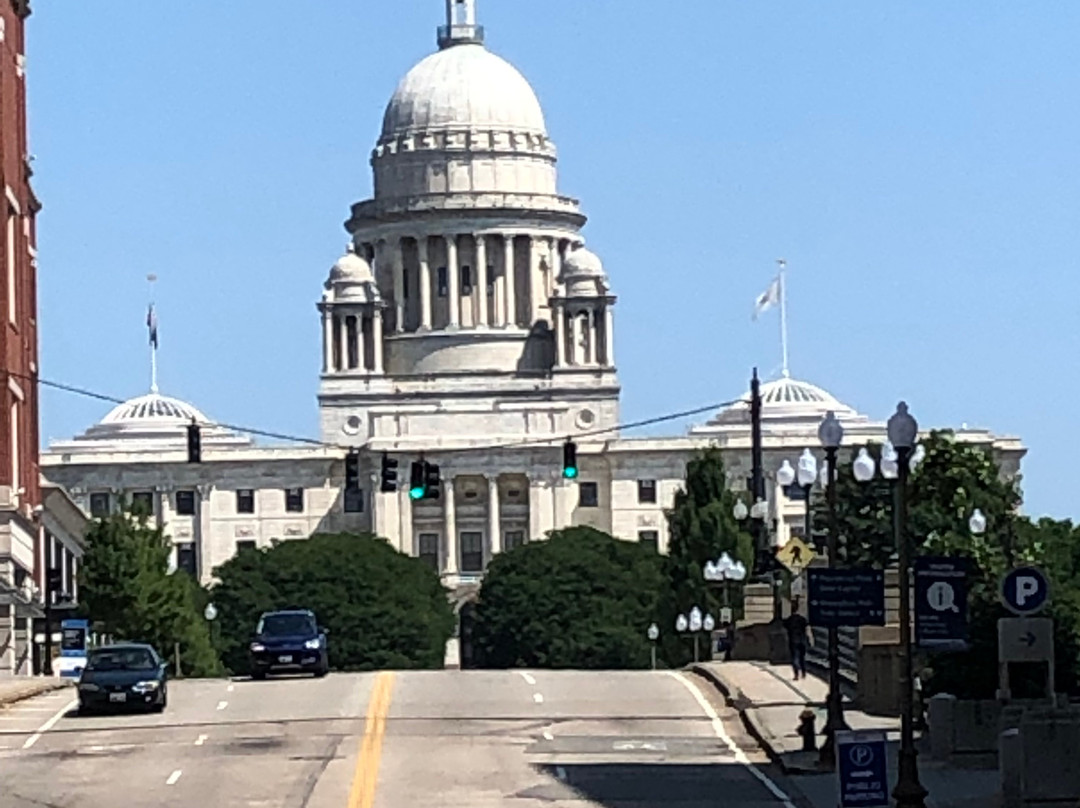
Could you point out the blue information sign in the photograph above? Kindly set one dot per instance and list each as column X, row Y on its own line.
column 941, row 603
column 74, row 637
column 862, row 768
column 851, row 597
column 1025, row 590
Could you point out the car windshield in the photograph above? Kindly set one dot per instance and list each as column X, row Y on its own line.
column 286, row 625
column 121, row 659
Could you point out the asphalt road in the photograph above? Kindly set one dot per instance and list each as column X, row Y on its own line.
column 474, row 739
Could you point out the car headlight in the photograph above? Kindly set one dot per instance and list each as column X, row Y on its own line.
column 257, row 646
column 89, row 687
column 149, row 686
column 312, row 645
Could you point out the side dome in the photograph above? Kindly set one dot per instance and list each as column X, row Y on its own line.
column 583, row 274
column 465, row 86
column 350, row 268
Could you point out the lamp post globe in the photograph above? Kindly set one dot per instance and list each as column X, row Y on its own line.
column 740, row 511
column 808, row 470
column 902, row 427
column 785, row 475
column 681, row 624
column 830, row 432
column 708, row 623
column 977, row 522
column 210, row 612
column 863, row 467
column 653, row 632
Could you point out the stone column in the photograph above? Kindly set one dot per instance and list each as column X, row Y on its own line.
column 481, row 279
column 575, row 334
column 343, row 342
column 377, row 339
column 555, row 262
column 425, row 284
column 591, row 353
column 450, row 526
column 494, row 516
column 541, row 508
column 405, row 541
column 564, row 504
column 452, row 295
column 397, row 262
column 328, row 340
column 361, row 354
column 538, row 293
column 508, row 283
column 560, row 336
column 204, row 562
column 609, row 337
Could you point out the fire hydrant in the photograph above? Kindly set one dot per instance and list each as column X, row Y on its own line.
column 806, row 730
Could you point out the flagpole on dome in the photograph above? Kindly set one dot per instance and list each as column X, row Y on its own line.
column 783, row 316
column 151, row 324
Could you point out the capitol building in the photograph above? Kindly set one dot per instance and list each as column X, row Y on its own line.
column 467, row 322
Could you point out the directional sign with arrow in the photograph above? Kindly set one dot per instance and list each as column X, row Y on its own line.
column 1025, row 639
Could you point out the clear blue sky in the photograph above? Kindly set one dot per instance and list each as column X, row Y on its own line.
column 916, row 163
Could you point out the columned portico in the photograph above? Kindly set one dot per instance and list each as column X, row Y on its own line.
column 450, row 526
column 494, row 517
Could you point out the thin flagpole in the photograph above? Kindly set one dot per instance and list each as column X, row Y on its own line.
column 153, row 342
column 783, row 315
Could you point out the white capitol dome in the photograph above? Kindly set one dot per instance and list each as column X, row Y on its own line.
column 784, row 401
column 464, row 86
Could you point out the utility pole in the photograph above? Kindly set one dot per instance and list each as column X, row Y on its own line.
column 757, row 477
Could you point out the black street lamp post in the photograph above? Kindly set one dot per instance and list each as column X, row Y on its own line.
column 831, row 433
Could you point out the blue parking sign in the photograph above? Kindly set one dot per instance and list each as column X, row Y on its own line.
column 862, row 768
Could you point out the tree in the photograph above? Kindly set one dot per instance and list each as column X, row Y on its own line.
column 126, row 588
column 580, row 599
column 702, row 526
column 383, row 609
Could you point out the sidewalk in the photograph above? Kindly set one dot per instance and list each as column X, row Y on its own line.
column 769, row 701
column 18, row 688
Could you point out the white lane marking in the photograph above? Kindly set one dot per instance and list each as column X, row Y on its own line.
column 33, row 739
column 560, row 772
column 201, row 740
column 736, row 750
column 173, row 778
column 528, row 677
column 538, row 698
column 548, row 736
column 230, row 688
column 221, row 705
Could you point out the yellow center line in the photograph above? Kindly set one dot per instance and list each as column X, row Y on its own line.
column 362, row 793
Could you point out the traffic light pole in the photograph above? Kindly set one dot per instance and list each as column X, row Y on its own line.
column 46, row 663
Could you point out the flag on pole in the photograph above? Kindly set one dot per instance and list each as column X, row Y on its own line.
column 767, row 299
column 151, row 323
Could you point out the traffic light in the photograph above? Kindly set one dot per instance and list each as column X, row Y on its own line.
column 389, row 473
column 417, row 480
column 569, row 460
column 194, row 443
column 431, row 481
column 352, row 470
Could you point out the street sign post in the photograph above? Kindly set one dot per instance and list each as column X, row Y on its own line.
column 1025, row 590
column 796, row 555
column 941, row 603
column 862, row 767
column 846, row 597
column 1025, row 639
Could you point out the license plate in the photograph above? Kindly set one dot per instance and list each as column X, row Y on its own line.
column 284, row 658
column 118, row 697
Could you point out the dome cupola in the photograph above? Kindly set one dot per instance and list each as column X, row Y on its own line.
column 352, row 279
column 583, row 274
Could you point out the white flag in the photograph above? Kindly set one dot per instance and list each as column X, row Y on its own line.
column 767, row 299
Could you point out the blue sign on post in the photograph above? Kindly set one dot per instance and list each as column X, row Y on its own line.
column 1025, row 590
column 851, row 597
column 941, row 603
column 862, row 768
column 74, row 642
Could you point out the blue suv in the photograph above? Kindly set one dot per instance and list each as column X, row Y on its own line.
column 288, row 642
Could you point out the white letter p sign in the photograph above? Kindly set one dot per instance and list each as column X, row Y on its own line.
column 1026, row 587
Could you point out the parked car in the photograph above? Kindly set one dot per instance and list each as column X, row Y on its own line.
column 123, row 676
column 288, row 642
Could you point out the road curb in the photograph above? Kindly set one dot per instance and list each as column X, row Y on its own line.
column 34, row 687
column 738, row 701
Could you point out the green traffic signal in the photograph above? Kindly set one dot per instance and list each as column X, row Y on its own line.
column 569, row 460
column 416, row 493
column 569, row 472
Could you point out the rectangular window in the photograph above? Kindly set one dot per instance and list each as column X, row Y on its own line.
column 650, row 539
column 11, row 273
column 185, row 503
column 99, row 505
column 142, row 502
column 472, row 551
column 428, row 549
column 466, row 280
column 294, row 500
column 795, row 492
column 441, row 278
column 15, row 445
column 513, row 538
column 244, row 545
column 185, row 557
column 588, row 495
column 245, row 501
column 646, row 491
column 354, row 500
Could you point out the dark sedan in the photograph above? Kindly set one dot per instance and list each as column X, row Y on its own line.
column 288, row 642
column 123, row 676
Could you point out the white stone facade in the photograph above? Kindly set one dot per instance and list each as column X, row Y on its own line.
column 466, row 322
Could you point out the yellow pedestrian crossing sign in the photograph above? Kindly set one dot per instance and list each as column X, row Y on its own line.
column 796, row 555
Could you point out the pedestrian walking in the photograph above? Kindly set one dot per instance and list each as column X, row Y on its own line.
column 798, row 632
